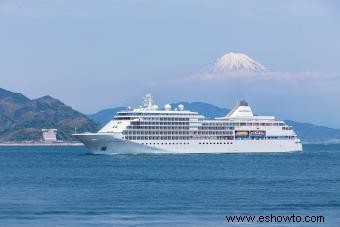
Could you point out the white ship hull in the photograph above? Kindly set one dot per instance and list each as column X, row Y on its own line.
column 149, row 130
column 106, row 143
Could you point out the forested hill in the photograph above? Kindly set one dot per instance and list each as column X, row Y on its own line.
column 22, row 118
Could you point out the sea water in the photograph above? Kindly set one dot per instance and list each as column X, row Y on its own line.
column 65, row 186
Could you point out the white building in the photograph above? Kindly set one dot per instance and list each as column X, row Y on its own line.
column 50, row 135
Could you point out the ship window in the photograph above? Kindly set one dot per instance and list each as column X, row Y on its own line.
column 103, row 148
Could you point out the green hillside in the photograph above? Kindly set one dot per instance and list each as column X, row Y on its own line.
column 22, row 119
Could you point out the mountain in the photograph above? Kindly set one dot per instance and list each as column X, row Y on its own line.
column 211, row 111
column 106, row 115
column 208, row 110
column 308, row 133
column 234, row 62
column 22, row 118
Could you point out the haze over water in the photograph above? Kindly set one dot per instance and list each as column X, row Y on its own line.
column 55, row 186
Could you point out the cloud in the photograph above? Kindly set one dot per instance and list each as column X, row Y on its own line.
column 251, row 77
column 239, row 67
column 262, row 76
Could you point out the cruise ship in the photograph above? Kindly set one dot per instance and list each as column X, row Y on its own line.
column 148, row 129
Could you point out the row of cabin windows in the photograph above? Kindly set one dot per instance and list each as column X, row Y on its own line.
column 158, row 123
column 212, row 138
column 242, row 124
column 216, row 143
column 129, row 132
column 215, row 128
column 177, row 128
column 214, row 133
column 178, row 138
column 184, row 143
column 209, row 125
column 266, row 138
column 157, row 127
column 124, row 118
column 172, row 119
column 157, row 137
column 175, row 132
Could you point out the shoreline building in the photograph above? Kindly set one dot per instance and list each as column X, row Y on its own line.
column 49, row 135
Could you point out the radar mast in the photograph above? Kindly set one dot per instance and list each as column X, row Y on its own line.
column 148, row 101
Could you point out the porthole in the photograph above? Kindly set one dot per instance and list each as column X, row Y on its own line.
column 103, row 148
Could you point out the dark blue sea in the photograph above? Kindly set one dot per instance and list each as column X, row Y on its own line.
column 65, row 186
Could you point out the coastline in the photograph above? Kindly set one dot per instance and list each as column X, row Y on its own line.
column 39, row 144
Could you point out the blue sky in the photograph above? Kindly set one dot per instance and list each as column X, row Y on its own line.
column 98, row 54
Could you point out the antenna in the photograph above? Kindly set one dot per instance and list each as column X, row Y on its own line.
column 148, row 101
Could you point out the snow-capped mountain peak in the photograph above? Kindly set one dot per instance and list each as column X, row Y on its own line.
column 235, row 62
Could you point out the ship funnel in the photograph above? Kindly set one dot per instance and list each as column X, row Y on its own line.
column 243, row 103
column 242, row 110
